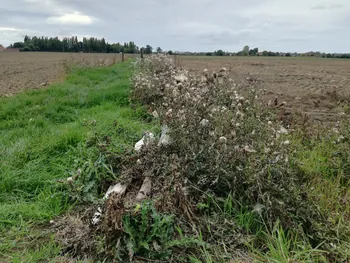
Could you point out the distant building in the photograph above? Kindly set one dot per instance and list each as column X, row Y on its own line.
column 11, row 50
column 2, row 48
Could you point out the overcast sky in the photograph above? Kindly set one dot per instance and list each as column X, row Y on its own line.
column 186, row 25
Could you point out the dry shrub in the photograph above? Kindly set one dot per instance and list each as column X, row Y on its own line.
column 222, row 142
column 223, row 152
column 74, row 234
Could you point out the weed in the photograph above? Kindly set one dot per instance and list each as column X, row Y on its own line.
column 224, row 141
column 43, row 141
column 144, row 233
column 285, row 247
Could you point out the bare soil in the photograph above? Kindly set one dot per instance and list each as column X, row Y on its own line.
column 21, row 71
column 319, row 88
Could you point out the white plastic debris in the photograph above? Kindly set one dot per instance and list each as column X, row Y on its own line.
column 145, row 141
column 164, row 138
column 155, row 114
column 139, row 145
column 144, row 190
column 97, row 216
column 117, row 188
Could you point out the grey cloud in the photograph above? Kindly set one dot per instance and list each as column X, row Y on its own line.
column 324, row 7
column 318, row 7
column 336, row 6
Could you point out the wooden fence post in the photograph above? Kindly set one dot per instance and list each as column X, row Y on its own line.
column 123, row 56
column 141, row 53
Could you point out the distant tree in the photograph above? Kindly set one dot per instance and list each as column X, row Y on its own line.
column 148, row 49
column 265, row 53
column 29, row 47
column 208, row 54
column 219, row 53
column 344, row 56
column 245, row 51
column 71, row 44
column 159, row 50
column 26, row 39
column 253, row 52
column 288, row 54
column 170, row 52
column 18, row 45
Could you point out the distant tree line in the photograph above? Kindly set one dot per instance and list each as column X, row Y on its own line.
column 246, row 51
column 72, row 44
column 95, row 45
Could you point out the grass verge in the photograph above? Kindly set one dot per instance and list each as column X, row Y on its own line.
column 44, row 135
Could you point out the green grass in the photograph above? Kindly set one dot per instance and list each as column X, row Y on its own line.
column 43, row 135
column 282, row 247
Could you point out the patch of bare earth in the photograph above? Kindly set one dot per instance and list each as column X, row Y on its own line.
column 21, row 71
column 317, row 88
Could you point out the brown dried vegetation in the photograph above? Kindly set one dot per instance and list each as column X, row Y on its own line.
column 224, row 172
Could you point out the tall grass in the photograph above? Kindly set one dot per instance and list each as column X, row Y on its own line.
column 43, row 137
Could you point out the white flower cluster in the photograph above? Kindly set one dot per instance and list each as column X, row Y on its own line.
column 193, row 104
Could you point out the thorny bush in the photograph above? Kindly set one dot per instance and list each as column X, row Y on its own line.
column 225, row 169
column 222, row 141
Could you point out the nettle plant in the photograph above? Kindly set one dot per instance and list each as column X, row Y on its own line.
column 223, row 141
